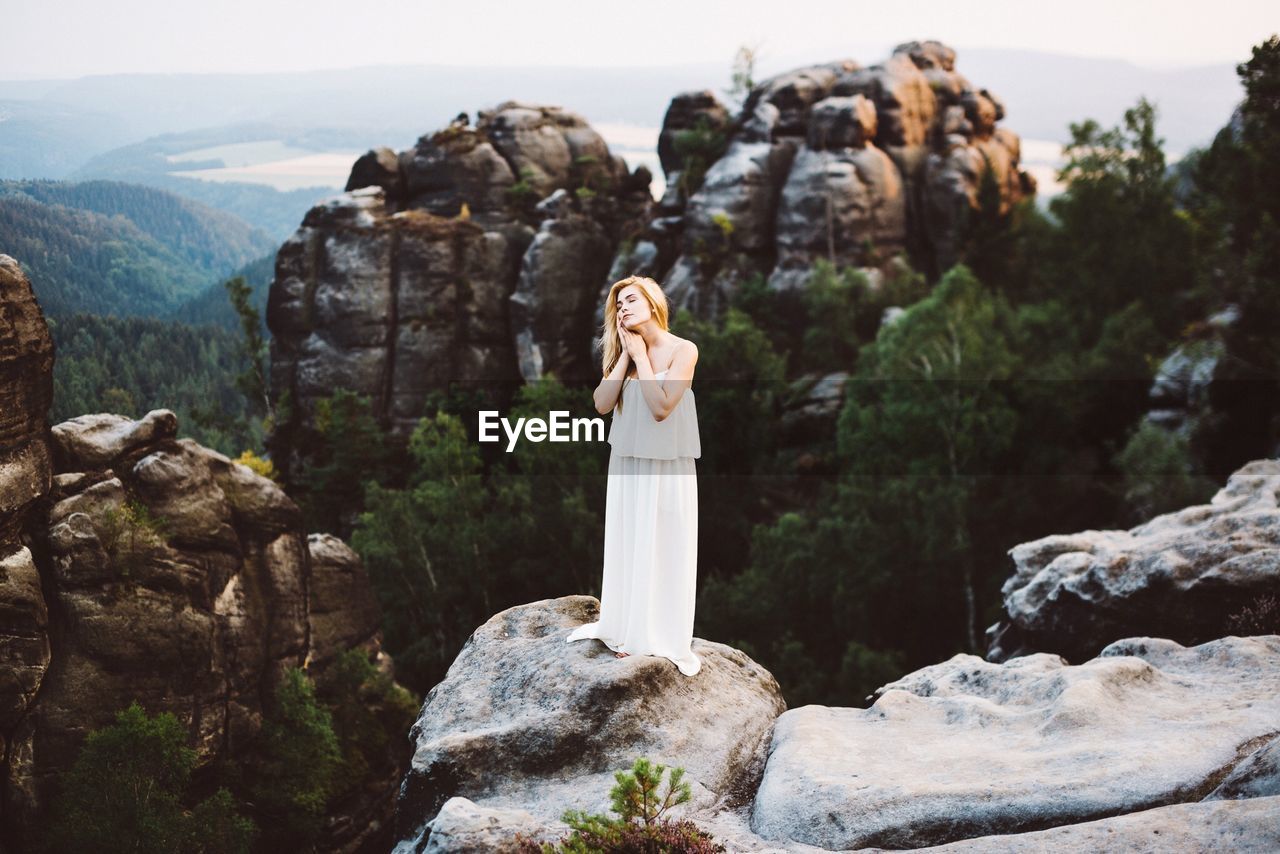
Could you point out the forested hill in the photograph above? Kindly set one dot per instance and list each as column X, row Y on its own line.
column 108, row 247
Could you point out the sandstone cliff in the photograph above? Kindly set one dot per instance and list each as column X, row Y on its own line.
column 481, row 255
column 138, row 565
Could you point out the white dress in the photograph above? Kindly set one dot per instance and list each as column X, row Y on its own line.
column 650, row 533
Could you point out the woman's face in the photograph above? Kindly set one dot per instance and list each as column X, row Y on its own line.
column 633, row 308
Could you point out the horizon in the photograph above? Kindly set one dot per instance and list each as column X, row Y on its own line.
column 154, row 37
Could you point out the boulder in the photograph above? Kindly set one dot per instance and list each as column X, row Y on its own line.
column 967, row 748
column 524, row 721
column 1179, row 576
column 1223, row 826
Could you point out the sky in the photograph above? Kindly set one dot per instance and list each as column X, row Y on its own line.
column 73, row 38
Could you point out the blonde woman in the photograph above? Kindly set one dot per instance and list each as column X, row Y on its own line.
column 651, row 505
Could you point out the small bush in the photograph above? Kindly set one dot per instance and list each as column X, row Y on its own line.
column 127, row 532
column 1261, row 617
column 642, row 825
column 260, row 465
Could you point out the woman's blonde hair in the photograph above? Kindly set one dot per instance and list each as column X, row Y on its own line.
column 610, row 342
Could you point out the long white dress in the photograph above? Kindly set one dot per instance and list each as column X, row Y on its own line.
column 650, row 533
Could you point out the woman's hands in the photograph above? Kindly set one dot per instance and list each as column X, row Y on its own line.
column 632, row 343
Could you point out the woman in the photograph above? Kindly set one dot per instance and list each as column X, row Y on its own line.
column 651, row 505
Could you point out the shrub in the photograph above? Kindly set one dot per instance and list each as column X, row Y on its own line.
column 642, row 824
column 1260, row 617
column 260, row 465
column 127, row 532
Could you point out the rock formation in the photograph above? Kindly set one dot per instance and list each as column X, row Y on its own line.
column 1177, row 576
column 477, row 256
column 481, row 255
column 1144, row 736
column 832, row 161
column 525, row 721
column 135, row 565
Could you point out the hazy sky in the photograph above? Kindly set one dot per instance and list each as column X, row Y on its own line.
column 70, row 38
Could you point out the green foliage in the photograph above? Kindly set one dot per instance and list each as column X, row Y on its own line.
column 456, row 545
column 370, row 715
column 124, row 794
column 643, row 823
column 132, row 365
column 1159, row 474
column 127, row 533
column 347, row 449
column 698, row 147
column 252, row 382
column 742, row 79
column 106, row 247
column 297, row 758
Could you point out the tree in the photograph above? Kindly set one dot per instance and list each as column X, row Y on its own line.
column 125, row 790
column 253, row 381
column 296, row 762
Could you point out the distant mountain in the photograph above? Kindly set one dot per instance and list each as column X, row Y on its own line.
column 107, row 247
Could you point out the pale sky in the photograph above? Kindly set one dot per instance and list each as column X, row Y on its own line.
column 71, row 38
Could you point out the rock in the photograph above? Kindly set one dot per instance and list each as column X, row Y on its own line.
column 1221, row 826
column 1258, row 776
column 177, row 578
column 1178, row 576
column 475, row 256
column 463, row 827
column 26, row 392
column 685, row 112
column 344, row 613
column 855, row 165
column 24, row 640
column 95, row 441
column 525, row 721
column 380, row 167
column 968, row 748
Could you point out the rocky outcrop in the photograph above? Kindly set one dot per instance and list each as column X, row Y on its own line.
column 180, row 579
column 969, row 748
column 26, row 392
column 1179, row 576
column 832, row 161
column 524, row 721
column 478, row 256
column 1146, row 735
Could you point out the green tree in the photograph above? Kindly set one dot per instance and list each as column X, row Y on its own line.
column 296, row 760
column 125, row 791
column 253, row 381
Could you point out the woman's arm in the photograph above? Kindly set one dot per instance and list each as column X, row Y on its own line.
column 662, row 397
column 606, row 394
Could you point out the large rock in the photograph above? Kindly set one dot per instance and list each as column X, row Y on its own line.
column 177, row 578
column 1224, row 826
column 836, row 161
column 439, row 266
column 26, row 391
column 1180, row 575
column 968, row 748
column 524, row 721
